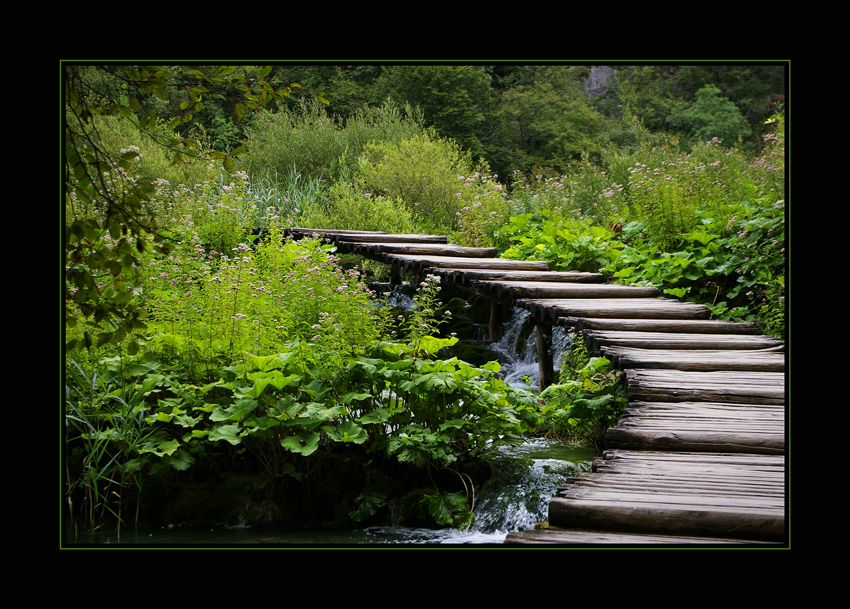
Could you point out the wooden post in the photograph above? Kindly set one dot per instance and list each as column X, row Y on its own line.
column 395, row 274
column 494, row 328
column 545, row 361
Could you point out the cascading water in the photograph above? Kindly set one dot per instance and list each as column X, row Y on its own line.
column 518, row 348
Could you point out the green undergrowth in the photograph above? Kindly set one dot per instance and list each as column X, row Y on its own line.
column 276, row 354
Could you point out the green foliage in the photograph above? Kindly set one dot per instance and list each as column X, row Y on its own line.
column 712, row 116
column 351, row 206
column 316, row 144
column 588, row 399
column 455, row 100
column 422, row 172
column 546, row 123
column 564, row 244
column 486, row 209
column 292, row 200
column 273, row 350
column 103, row 243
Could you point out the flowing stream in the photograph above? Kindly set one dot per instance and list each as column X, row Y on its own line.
column 514, row 500
column 517, row 497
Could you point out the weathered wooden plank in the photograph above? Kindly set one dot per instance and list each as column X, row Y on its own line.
column 670, row 340
column 684, row 386
column 334, row 232
column 467, row 276
column 696, row 359
column 626, row 308
column 431, row 249
column 547, row 535
column 701, row 494
column 513, row 290
column 700, row 426
column 701, row 326
column 752, row 414
column 349, row 236
column 422, row 262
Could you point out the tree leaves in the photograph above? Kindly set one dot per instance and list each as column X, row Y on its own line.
column 90, row 90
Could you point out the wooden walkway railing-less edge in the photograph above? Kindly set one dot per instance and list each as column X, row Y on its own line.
column 698, row 457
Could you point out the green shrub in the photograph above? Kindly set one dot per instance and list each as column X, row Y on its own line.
column 566, row 245
column 316, row 144
column 154, row 162
column 351, row 207
column 422, row 172
column 712, row 116
column 588, row 399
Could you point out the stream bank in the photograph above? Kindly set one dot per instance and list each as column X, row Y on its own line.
column 512, row 485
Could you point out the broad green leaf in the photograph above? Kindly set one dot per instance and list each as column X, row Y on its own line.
column 303, row 446
column 432, row 345
column 228, row 433
column 234, row 412
column 354, row 396
column 161, row 448
column 347, row 431
column 379, row 415
column 264, row 363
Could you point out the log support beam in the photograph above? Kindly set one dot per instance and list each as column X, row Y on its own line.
column 494, row 328
column 545, row 359
column 396, row 275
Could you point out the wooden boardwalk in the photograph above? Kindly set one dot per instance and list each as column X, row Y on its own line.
column 698, row 457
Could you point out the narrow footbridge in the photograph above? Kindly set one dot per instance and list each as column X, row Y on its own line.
column 699, row 456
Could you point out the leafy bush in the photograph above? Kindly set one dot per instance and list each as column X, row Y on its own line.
column 422, row 172
column 350, row 206
column 274, row 349
column 712, row 116
column 292, row 200
column 589, row 398
column 153, row 162
column 566, row 245
column 319, row 145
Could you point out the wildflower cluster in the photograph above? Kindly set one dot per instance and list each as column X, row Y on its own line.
column 485, row 209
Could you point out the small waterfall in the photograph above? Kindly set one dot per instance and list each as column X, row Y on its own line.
column 518, row 348
column 393, row 295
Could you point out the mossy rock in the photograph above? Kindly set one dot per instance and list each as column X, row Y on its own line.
column 479, row 310
column 476, row 354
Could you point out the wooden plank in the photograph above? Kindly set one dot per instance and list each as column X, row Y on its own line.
column 684, row 386
column 331, row 231
column 467, row 276
column 628, row 308
column 766, row 360
column 702, row 326
column 547, row 535
column 433, row 249
column 702, row 494
column 513, row 290
column 700, row 426
column 424, row 262
column 669, row 340
column 348, row 236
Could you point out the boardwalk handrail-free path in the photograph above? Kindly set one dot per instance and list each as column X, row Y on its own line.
column 698, row 457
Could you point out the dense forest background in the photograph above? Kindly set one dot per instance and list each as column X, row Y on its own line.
column 522, row 116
